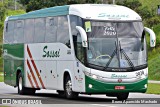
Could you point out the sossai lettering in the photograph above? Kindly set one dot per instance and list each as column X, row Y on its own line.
column 50, row 53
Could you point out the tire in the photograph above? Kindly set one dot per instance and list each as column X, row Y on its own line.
column 68, row 89
column 61, row 94
column 23, row 90
column 122, row 96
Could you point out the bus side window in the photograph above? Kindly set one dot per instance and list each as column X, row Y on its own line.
column 9, row 34
column 63, row 31
column 40, row 28
column 29, row 30
column 19, row 32
column 6, row 27
column 79, row 50
column 51, row 29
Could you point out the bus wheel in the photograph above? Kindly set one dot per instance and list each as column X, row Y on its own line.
column 68, row 89
column 23, row 90
column 122, row 96
column 61, row 93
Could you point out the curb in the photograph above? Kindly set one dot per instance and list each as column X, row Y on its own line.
column 1, row 74
column 153, row 81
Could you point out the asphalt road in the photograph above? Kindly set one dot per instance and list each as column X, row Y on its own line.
column 53, row 100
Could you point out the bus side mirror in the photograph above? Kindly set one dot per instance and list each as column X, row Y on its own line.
column 152, row 36
column 83, row 36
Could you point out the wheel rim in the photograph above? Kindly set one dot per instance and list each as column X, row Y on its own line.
column 69, row 87
column 20, row 83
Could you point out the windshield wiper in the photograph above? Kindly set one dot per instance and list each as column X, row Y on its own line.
column 113, row 54
column 126, row 56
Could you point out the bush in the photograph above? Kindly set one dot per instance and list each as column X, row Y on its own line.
column 153, row 21
column 144, row 12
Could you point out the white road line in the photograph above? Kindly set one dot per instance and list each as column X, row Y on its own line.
column 102, row 105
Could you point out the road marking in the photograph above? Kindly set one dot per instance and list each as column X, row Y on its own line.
column 102, row 105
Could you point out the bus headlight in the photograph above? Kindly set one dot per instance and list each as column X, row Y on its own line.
column 94, row 76
column 91, row 75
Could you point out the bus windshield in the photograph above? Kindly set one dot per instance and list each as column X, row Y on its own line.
column 116, row 44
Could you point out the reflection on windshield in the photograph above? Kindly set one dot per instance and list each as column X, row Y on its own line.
column 116, row 45
column 100, row 50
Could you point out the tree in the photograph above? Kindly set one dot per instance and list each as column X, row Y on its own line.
column 144, row 12
column 38, row 4
column 2, row 11
column 24, row 2
column 134, row 4
column 153, row 21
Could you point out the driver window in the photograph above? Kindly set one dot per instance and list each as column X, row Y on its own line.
column 79, row 50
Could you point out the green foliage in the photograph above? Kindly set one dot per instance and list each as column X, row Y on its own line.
column 136, row 5
column 11, row 5
column 1, row 77
column 2, row 11
column 8, row 13
column 153, row 21
column 151, row 4
column 24, row 2
column 2, row 17
column 143, row 12
column 1, row 70
column 133, row 4
column 39, row 4
column 14, row 12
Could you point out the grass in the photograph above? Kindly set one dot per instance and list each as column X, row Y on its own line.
column 153, row 89
column 1, row 70
column 154, row 64
column 3, row 106
column 154, row 56
column 1, row 64
column 1, row 77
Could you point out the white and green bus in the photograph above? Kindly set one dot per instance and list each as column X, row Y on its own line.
column 77, row 49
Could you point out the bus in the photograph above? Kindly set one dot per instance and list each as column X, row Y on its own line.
column 77, row 49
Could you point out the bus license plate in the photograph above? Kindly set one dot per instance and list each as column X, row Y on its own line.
column 119, row 87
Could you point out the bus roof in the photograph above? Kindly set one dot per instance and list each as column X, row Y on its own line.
column 87, row 11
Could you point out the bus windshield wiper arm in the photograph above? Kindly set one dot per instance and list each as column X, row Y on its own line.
column 126, row 56
column 113, row 54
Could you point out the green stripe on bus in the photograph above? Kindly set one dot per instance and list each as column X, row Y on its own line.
column 13, row 60
column 101, row 87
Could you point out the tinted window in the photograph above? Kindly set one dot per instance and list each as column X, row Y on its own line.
column 79, row 50
column 9, row 34
column 18, row 31
column 29, row 30
column 51, row 29
column 40, row 28
column 63, row 31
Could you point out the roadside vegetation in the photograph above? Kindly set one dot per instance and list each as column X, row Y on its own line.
column 1, row 77
column 153, row 89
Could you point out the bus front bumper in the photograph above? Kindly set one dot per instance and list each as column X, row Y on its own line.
column 98, row 87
